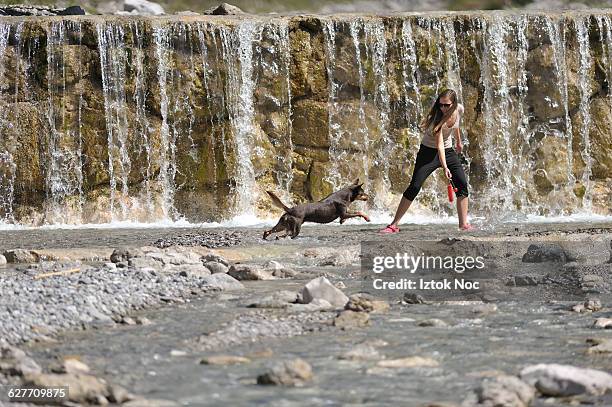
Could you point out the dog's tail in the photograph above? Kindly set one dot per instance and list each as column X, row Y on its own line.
column 277, row 202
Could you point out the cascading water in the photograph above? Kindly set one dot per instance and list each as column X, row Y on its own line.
column 7, row 164
column 149, row 119
column 64, row 178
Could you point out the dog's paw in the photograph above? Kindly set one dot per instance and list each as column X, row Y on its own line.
column 366, row 218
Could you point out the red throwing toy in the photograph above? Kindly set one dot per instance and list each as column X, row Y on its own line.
column 451, row 189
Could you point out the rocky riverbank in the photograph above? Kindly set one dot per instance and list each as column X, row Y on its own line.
column 297, row 319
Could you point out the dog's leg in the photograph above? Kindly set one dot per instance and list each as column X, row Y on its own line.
column 348, row 215
column 296, row 229
column 279, row 227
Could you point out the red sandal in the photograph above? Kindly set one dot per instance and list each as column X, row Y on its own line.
column 390, row 229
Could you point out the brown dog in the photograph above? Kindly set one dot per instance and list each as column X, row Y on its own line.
column 326, row 210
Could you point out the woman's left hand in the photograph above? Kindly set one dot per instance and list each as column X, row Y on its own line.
column 448, row 174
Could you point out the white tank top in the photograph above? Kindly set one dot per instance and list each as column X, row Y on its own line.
column 429, row 140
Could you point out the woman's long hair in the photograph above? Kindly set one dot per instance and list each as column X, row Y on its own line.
column 435, row 118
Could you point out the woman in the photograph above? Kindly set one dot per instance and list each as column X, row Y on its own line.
column 436, row 151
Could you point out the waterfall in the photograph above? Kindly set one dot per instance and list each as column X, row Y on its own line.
column 64, row 178
column 355, row 27
column 7, row 164
column 113, row 60
column 582, row 36
column 167, row 153
column 385, row 147
column 414, row 110
column 119, row 119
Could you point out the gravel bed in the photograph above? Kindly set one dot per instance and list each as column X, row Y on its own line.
column 263, row 324
column 38, row 308
column 211, row 240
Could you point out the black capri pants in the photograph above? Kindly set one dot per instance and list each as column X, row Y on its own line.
column 427, row 161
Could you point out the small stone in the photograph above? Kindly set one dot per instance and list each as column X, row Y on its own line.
column 412, row 298
column 438, row 323
column 83, row 387
column 505, row 391
column 224, row 9
column 484, row 309
column 118, row 394
column 603, row 323
column 321, row 288
column 72, row 365
column 211, row 257
column 243, row 272
column 351, row 319
column 224, row 360
column 216, row 267
column 21, row 256
column 128, row 321
column 142, row 321
column 123, row 254
column 408, row 362
column 599, row 345
column 361, row 352
column 340, row 285
column 544, row 252
column 291, row 373
column 222, row 282
column 366, row 303
column 2, row 261
column 177, row 353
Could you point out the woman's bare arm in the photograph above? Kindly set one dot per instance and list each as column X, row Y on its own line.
column 458, row 142
column 442, row 153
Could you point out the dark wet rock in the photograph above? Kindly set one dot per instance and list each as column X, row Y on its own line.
column 142, row 321
column 412, row 298
column 216, row 267
column 15, row 362
column 21, row 256
column 565, row 380
column 224, row 360
column 30, row 10
column 363, row 302
column 591, row 305
column 351, row 319
column 603, row 323
column 599, row 345
column 222, row 282
column 408, row 362
column 507, row 391
column 244, row 272
column 224, row 9
column 361, row 352
column 124, row 254
column 143, row 7
column 438, row 323
column 543, row 252
column 290, row 373
column 208, row 239
column 524, row 281
column 321, row 288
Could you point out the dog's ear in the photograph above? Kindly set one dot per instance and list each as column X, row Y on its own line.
column 357, row 186
column 356, row 182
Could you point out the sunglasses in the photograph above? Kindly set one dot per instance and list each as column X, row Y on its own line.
column 446, row 104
